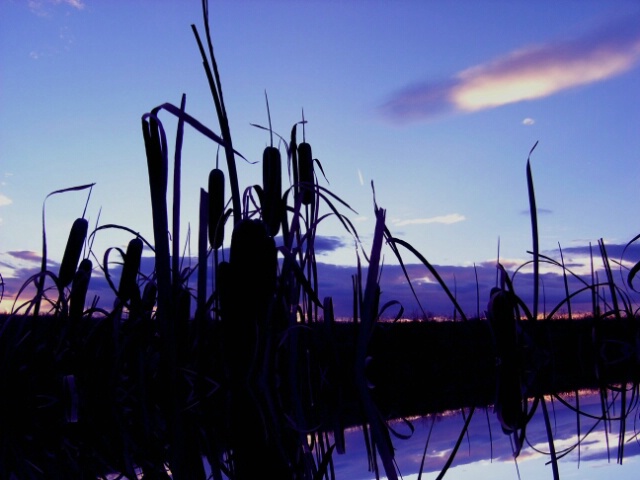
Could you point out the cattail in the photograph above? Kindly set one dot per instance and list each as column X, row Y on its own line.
column 149, row 294
column 305, row 172
column 254, row 265
column 79, row 288
column 128, row 288
column 216, row 208
column 272, row 188
column 502, row 318
column 224, row 290
column 72, row 252
column 246, row 306
column 329, row 316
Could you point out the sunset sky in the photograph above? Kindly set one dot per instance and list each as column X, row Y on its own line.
column 437, row 103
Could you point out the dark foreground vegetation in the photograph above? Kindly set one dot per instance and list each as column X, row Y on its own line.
column 235, row 368
column 89, row 399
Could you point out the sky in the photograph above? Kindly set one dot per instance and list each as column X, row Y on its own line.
column 437, row 103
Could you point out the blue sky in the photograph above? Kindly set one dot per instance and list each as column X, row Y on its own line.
column 437, row 103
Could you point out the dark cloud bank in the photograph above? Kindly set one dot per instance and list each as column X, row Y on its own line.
column 470, row 285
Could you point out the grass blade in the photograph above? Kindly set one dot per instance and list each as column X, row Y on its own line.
column 534, row 234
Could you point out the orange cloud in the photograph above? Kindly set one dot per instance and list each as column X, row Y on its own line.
column 526, row 74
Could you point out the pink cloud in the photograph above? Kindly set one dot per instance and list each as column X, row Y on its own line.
column 526, row 74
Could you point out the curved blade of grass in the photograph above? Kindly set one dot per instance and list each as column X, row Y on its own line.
column 457, row 445
column 177, row 172
column 552, row 449
column 534, row 233
column 635, row 269
column 392, row 241
column 268, row 129
column 566, row 282
column 135, row 233
column 610, row 282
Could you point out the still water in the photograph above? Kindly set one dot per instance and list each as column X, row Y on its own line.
column 587, row 447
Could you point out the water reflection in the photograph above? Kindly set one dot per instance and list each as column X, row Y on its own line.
column 588, row 447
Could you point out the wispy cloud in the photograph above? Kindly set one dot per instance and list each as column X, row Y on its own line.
column 445, row 219
column 529, row 73
column 39, row 6
column 26, row 255
column 541, row 211
column 43, row 8
column 4, row 200
column 528, row 121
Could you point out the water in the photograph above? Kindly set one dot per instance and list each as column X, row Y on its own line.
column 486, row 452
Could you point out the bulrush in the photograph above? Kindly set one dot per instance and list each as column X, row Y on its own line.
column 246, row 300
column 305, row 172
column 128, row 288
column 72, row 252
column 272, row 190
column 79, row 289
column 216, row 208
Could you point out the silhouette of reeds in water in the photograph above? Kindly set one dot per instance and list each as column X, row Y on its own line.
column 262, row 379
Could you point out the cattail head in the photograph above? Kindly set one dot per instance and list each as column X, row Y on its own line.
column 216, row 208
column 253, row 259
column 128, row 287
column 73, row 250
column 149, row 294
column 502, row 317
column 79, row 289
column 305, row 173
column 272, row 189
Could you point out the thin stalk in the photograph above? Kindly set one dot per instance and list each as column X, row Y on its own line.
column 534, row 233
column 177, row 169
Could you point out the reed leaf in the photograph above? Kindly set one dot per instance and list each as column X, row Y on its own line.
column 534, row 233
column 177, row 175
column 215, row 86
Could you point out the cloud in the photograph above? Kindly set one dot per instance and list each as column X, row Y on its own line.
column 540, row 211
column 324, row 245
column 25, row 255
column 445, row 219
column 471, row 284
column 526, row 74
column 528, row 121
column 42, row 7
column 4, row 200
column 615, row 251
